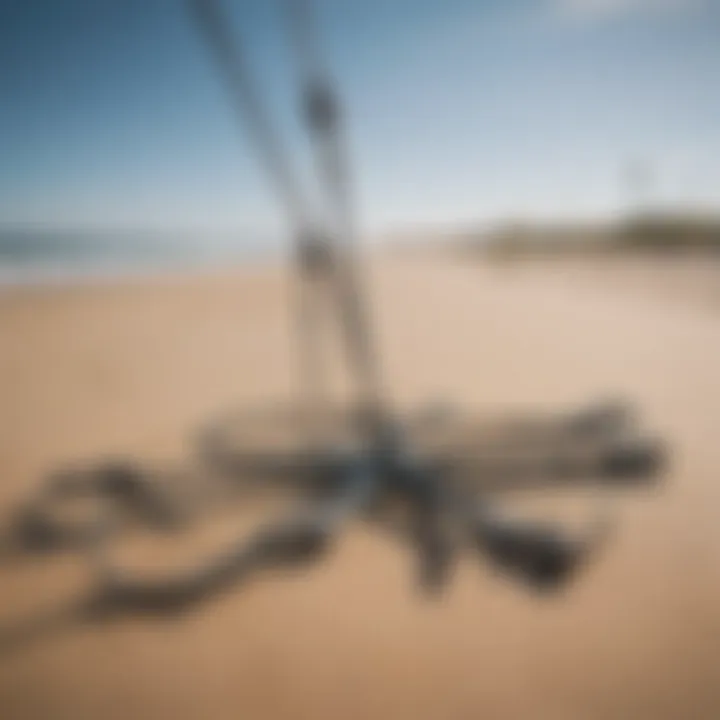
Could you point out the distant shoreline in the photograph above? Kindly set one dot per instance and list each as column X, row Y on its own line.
column 47, row 276
column 43, row 257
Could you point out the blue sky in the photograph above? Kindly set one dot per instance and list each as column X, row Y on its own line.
column 459, row 111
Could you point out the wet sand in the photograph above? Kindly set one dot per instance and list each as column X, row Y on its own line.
column 132, row 367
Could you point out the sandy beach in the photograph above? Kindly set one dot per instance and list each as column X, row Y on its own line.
column 132, row 367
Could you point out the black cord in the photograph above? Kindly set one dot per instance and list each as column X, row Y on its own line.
column 322, row 115
column 228, row 53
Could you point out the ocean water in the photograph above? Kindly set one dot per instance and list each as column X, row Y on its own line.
column 31, row 256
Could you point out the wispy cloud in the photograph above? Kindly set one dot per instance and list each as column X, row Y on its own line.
column 601, row 10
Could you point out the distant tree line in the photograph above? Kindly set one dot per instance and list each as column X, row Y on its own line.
column 648, row 232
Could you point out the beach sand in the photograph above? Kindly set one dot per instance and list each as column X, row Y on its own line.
column 132, row 367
